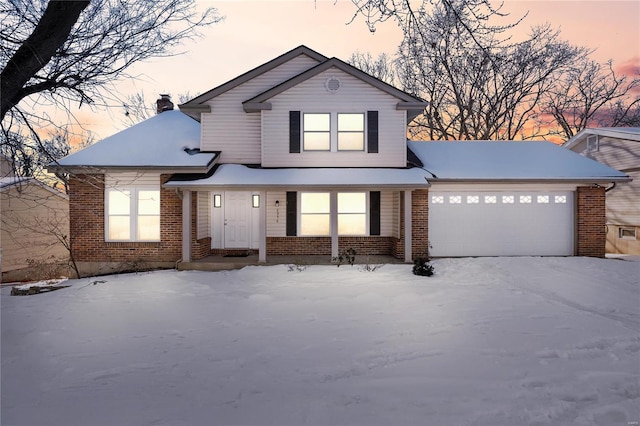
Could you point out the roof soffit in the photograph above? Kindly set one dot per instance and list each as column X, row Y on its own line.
column 610, row 132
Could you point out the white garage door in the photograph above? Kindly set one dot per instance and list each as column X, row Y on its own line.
column 501, row 223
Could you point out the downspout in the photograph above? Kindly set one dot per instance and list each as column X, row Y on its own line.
column 613, row 185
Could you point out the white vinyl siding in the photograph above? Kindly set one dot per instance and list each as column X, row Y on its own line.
column 28, row 210
column 137, row 179
column 623, row 202
column 354, row 96
column 204, row 214
column 619, row 154
column 228, row 128
column 623, row 207
column 276, row 215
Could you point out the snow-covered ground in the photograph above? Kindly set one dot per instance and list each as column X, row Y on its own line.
column 493, row 341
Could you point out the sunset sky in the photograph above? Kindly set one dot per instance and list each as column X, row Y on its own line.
column 255, row 31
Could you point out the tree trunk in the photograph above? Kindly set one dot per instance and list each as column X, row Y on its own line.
column 52, row 31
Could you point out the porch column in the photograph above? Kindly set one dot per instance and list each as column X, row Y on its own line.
column 186, row 225
column 408, row 256
column 333, row 218
column 262, row 228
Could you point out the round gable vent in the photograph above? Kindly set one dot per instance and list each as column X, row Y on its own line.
column 333, row 84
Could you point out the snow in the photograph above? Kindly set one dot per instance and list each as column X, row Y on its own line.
column 486, row 341
column 238, row 175
column 159, row 141
column 492, row 160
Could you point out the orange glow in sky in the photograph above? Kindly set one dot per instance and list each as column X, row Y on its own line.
column 256, row 31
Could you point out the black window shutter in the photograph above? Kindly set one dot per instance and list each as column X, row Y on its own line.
column 294, row 131
column 372, row 131
column 374, row 213
column 292, row 214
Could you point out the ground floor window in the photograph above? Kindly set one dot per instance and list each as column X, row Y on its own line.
column 316, row 211
column 352, row 213
column 132, row 214
column 627, row 233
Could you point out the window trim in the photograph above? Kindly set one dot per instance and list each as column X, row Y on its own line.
column 333, row 213
column 304, row 132
column 299, row 214
column 133, row 215
column 593, row 143
column 363, row 131
column 334, row 132
column 633, row 237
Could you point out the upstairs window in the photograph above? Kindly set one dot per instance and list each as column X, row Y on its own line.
column 133, row 214
column 350, row 132
column 333, row 132
column 592, row 143
column 316, row 132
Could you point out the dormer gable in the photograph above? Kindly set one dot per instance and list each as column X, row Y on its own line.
column 199, row 104
column 413, row 105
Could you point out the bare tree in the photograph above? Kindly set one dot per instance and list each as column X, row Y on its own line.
column 72, row 49
column 57, row 53
column 590, row 94
column 382, row 67
column 137, row 107
column 479, row 82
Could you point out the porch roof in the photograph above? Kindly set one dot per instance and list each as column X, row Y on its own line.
column 241, row 176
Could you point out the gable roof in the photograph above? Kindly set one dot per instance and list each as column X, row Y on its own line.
column 486, row 161
column 407, row 101
column 627, row 133
column 169, row 140
column 196, row 104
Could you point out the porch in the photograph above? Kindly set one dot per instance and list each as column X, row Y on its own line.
column 222, row 263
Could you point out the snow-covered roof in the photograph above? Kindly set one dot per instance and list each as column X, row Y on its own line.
column 167, row 140
column 8, row 182
column 237, row 175
column 512, row 160
column 12, row 180
column 628, row 133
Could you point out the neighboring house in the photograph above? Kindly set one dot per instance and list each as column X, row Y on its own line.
column 307, row 155
column 619, row 148
column 34, row 217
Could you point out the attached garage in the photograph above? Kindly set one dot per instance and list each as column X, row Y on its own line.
column 501, row 223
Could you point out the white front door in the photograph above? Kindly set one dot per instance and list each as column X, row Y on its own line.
column 237, row 219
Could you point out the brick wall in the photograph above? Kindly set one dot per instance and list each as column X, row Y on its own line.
column 292, row 246
column 419, row 225
column 199, row 247
column 591, row 234
column 87, row 228
column 420, row 222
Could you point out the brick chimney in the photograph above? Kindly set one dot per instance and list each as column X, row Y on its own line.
column 164, row 103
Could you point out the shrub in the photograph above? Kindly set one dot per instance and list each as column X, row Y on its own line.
column 423, row 267
column 347, row 256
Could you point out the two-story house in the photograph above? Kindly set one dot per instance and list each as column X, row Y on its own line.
column 619, row 148
column 307, row 155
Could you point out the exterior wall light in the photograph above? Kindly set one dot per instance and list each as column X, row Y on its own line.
column 217, row 200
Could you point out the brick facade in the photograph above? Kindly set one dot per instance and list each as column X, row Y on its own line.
column 87, row 227
column 419, row 225
column 293, row 246
column 591, row 234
